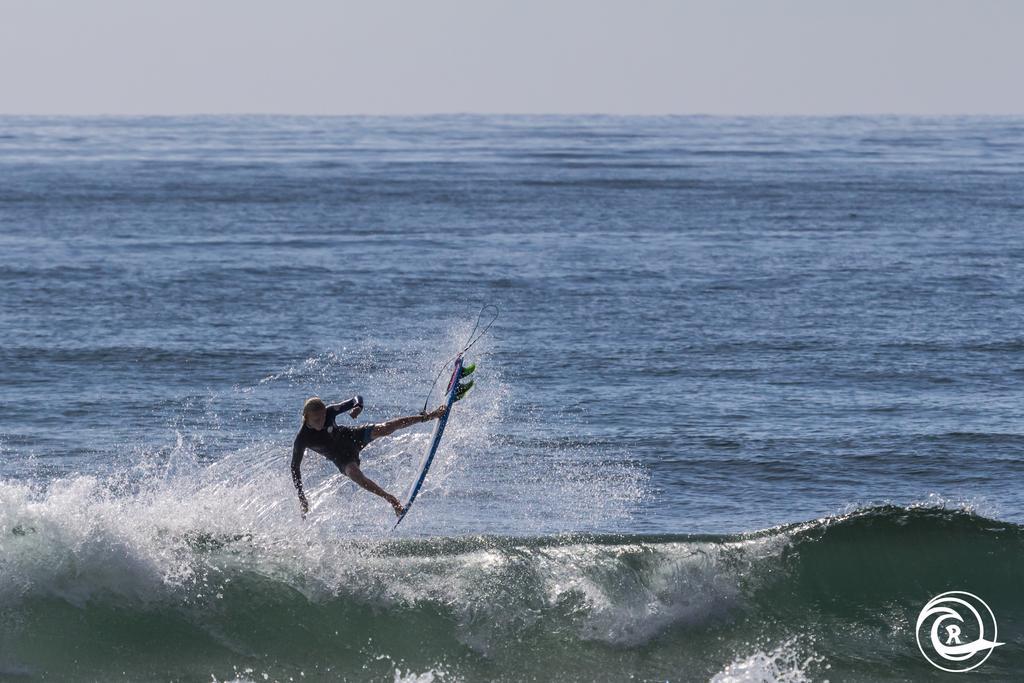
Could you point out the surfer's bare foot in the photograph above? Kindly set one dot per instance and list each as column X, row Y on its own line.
column 437, row 412
column 396, row 505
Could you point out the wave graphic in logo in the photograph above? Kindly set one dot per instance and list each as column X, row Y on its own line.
column 957, row 623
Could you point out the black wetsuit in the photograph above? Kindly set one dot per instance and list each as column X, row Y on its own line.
column 340, row 445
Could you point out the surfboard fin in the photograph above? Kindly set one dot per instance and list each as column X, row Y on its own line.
column 467, row 370
column 463, row 390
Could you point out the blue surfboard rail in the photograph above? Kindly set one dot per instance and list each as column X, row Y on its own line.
column 453, row 388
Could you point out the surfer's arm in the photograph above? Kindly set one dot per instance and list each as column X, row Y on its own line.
column 354, row 404
column 298, row 450
column 391, row 426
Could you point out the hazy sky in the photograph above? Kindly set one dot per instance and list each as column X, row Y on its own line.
column 423, row 56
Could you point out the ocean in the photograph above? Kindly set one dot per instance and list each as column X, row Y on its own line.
column 753, row 397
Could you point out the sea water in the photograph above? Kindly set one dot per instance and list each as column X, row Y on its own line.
column 753, row 396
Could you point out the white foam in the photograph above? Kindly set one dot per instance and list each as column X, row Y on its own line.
column 429, row 676
column 785, row 663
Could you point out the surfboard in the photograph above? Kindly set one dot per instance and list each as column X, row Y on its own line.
column 455, row 392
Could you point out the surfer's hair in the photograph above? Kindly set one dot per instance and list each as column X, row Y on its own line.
column 313, row 404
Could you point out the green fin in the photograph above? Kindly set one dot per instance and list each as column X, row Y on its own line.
column 463, row 390
column 467, row 370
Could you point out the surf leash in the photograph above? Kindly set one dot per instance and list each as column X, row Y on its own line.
column 472, row 338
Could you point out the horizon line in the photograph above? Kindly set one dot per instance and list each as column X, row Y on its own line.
column 453, row 114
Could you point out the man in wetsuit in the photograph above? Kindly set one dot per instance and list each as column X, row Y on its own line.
column 341, row 445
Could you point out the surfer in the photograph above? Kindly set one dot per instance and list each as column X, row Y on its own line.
column 341, row 445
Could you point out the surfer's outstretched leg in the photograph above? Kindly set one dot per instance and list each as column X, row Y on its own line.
column 353, row 472
column 392, row 426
